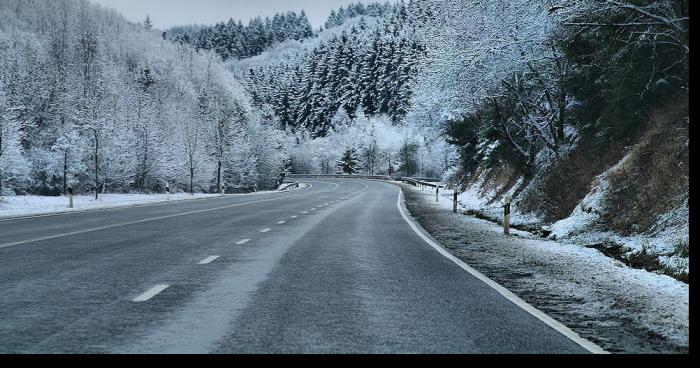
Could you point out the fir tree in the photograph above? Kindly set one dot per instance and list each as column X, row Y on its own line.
column 349, row 164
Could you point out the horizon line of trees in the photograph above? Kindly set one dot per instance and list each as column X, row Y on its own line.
column 234, row 40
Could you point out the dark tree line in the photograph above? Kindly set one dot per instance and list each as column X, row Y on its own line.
column 340, row 16
column 234, row 40
column 367, row 68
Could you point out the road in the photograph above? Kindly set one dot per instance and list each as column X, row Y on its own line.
column 334, row 268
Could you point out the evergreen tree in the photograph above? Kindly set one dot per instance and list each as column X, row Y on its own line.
column 349, row 164
column 407, row 160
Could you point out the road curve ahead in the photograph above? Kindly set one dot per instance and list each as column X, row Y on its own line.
column 334, row 268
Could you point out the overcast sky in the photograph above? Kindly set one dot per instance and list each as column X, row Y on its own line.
column 167, row 13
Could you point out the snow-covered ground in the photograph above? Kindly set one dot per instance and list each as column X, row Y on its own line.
column 620, row 308
column 671, row 230
column 40, row 205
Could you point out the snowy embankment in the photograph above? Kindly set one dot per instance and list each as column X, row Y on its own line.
column 662, row 249
column 41, row 205
column 620, row 308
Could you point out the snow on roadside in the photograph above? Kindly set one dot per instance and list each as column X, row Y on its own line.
column 41, row 205
column 620, row 308
column 37, row 205
column 580, row 227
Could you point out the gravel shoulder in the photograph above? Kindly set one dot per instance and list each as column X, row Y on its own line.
column 623, row 310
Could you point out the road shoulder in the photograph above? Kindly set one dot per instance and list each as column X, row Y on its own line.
column 618, row 308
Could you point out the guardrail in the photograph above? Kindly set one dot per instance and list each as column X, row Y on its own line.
column 432, row 180
column 325, row 176
column 421, row 183
column 416, row 182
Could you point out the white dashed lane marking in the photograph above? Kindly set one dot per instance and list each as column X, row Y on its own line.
column 209, row 260
column 150, row 293
column 244, row 241
column 265, row 230
column 281, row 222
column 295, row 217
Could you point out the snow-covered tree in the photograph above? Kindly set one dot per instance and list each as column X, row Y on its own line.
column 13, row 165
column 348, row 163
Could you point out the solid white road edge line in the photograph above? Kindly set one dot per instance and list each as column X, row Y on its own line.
column 551, row 322
column 150, row 293
column 209, row 260
column 241, row 242
column 79, row 232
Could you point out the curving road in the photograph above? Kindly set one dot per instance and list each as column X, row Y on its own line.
column 334, row 268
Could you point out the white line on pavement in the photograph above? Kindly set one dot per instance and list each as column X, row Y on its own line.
column 281, row 222
column 551, row 322
column 241, row 242
column 265, row 230
column 80, row 232
column 304, row 213
column 295, row 217
column 209, row 260
column 150, row 293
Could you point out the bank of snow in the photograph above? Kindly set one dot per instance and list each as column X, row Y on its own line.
column 38, row 205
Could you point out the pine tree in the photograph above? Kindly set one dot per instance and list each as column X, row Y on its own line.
column 407, row 160
column 348, row 163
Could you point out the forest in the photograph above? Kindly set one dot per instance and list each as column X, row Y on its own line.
column 543, row 100
column 93, row 102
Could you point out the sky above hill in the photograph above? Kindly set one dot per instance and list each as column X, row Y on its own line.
column 168, row 13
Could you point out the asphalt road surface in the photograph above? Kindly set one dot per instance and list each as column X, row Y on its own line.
column 334, row 268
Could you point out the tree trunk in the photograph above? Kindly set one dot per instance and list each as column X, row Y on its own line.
column 218, row 178
column 1, row 157
column 191, row 181
column 65, row 173
column 97, row 163
column 562, row 116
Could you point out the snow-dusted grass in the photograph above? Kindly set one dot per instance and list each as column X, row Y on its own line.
column 41, row 205
column 620, row 308
column 667, row 242
column 38, row 205
column 671, row 230
column 477, row 200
